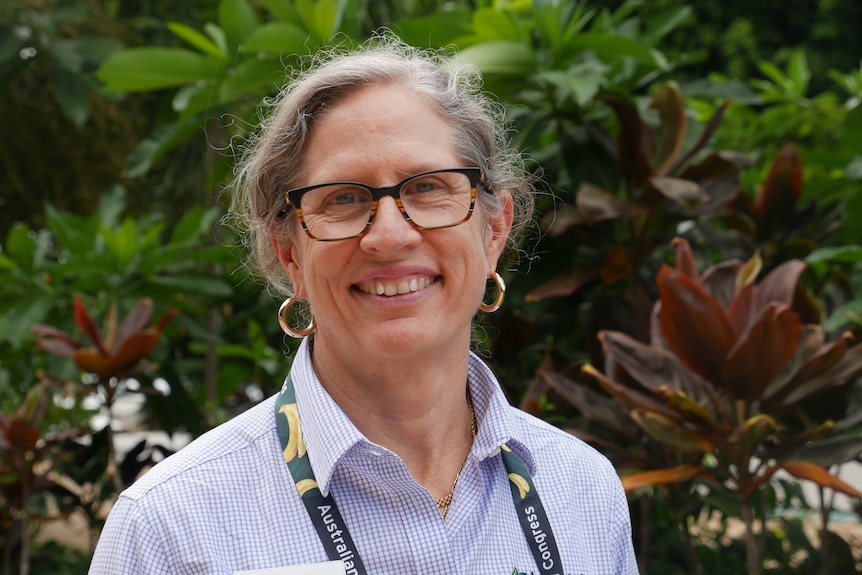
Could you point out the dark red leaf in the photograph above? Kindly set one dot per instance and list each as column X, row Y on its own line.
column 627, row 396
column 617, row 265
column 686, row 193
column 91, row 361
column 780, row 284
column 87, row 325
column 633, row 143
column 849, row 366
column 719, row 281
column 21, row 436
column 761, row 352
column 693, row 324
column 165, row 319
column 742, row 310
column 705, row 135
column 564, row 284
column 672, row 129
column 137, row 319
column 136, row 348
column 684, row 258
column 776, row 202
column 592, row 405
column 595, row 204
column 654, row 367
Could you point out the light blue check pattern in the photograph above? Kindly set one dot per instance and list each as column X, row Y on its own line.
column 226, row 502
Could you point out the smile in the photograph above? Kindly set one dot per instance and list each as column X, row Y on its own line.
column 396, row 288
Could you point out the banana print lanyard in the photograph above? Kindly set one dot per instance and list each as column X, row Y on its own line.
column 333, row 531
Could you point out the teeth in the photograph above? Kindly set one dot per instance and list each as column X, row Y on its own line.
column 396, row 288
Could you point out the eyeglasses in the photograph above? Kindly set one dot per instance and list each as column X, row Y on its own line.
column 429, row 201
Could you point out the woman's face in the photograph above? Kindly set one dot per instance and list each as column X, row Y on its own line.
column 378, row 136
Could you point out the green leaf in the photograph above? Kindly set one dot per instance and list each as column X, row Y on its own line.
column 282, row 9
column 580, row 83
column 16, row 322
column 162, row 140
column 217, row 35
column 434, row 31
column 142, row 69
column 21, row 245
column 201, row 285
column 848, row 314
column 255, row 78
column 71, row 95
column 278, row 37
column 799, row 74
column 196, row 39
column 491, row 25
column 665, row 22
column 237, row 19
column 195, row 224
column 502, row 57
column 614, row 46
column 321, row 18
column 123, row 242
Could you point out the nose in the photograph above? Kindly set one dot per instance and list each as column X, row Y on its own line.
column 389, row 230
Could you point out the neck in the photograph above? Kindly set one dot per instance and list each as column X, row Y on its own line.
column 416, row 408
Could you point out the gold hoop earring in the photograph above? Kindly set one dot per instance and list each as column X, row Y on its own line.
column 501, row 294
column 286, row 327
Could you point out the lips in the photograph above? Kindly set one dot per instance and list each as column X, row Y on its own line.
column 393, row 288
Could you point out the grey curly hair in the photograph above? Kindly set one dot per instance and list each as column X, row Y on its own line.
column 272, row 160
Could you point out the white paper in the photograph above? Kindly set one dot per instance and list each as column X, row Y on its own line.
column 328, row 568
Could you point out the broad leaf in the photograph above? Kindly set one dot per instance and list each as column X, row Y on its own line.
column 672, row 129
column 145, row 69
column 660, row 477
column 815, row 473
column 668, row 432
column 831, row 451
column 87, row 325
column 780, row 284
column 565, row 284
column 196, row 39
column 693, row 324
column 592, row 405
column 279, row 38
column 761, row 352
column 502, row 57
column 655, row 368
column 238, row 19
column 686, row 193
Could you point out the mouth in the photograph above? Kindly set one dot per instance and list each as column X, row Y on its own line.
column 393, row 288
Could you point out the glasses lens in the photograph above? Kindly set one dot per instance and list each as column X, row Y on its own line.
column 336, row 211
column 437, row 200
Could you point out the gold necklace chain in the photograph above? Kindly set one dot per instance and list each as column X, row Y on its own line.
column 444, row 502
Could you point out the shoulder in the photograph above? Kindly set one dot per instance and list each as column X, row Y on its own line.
column 236, row 448
column 563, row 456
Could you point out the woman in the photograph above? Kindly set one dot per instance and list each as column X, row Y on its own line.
column 381, row 195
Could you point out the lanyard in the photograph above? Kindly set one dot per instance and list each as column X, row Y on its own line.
column 333, row 531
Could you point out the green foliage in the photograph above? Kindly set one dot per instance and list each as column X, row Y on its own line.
column 644, row 120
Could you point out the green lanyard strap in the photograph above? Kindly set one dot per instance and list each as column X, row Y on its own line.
column 330, row 525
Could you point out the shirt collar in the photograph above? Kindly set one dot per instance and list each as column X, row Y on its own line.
column 329, row 434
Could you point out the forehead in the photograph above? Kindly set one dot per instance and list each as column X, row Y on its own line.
column 376, row 134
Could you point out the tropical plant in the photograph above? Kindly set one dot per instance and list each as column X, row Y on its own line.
column 28, row 457
column 728, row 375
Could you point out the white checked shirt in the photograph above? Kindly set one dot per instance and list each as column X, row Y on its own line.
column 227, row 502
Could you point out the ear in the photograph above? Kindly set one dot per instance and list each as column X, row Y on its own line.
column 287, row 253
column 499, row 227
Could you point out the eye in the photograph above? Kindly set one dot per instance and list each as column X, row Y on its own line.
column 343, row 199
column 424, row 186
